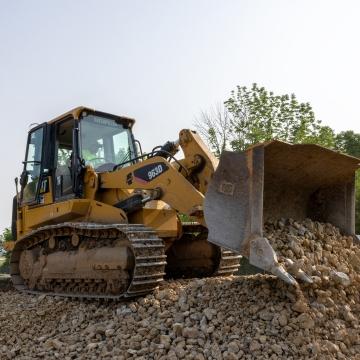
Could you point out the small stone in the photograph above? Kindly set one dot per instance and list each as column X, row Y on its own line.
column 283, row 320
column 276, row 349
column 230, row 321
column 230, row 356
column 305, row 321
column 190, row 332
column 165, row 339
column 177, row 329
column 100, row 329
column 171, row 355
column 163, row 294
column 123, row 311
column 210, row 329
column 341, row 335
column 209, row 313
column 42, row 338
column 266, row 315
column 315, row 348
column 262, row 339
column 199, row 356
column 348, row 315
column 254, row 346
column 184, row 306
column 300, row 306
column 109, row 332
column 340, row 278
column 180, row 352
column 203, row 324
column 233, row 347
column 354, row 260
column 53, row 344
column 92, row 346
column 331, row 347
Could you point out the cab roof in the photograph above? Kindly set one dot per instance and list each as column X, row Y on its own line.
column 76, row 113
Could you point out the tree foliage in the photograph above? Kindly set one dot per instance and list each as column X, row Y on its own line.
column 258, row 115
column 4, row 237
column 348, row 142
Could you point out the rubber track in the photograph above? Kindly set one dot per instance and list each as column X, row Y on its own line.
column 148, row 249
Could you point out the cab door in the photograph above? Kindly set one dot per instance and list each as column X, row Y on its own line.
column 31, row 177
column 64, row 133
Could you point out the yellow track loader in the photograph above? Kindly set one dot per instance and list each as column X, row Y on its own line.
column 96, row 217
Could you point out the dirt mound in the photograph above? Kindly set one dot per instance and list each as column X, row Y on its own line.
column 253, row 317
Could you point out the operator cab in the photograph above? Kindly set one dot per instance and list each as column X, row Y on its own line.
column 58, row 152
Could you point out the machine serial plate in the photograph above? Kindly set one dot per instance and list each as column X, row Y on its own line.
column 150, row 172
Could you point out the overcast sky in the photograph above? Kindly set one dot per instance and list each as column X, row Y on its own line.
column 163, row 62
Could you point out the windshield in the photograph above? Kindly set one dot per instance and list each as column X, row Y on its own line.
column 105, row 142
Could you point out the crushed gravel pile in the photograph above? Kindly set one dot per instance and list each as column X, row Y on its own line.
column 250, row 317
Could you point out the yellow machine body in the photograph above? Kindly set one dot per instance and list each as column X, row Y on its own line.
column 74, row 187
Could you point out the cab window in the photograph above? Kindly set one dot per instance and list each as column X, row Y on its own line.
column 105, row 143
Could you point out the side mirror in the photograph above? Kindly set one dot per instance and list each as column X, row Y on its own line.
column 24, row 178
column 16, row 187
column 138, row 148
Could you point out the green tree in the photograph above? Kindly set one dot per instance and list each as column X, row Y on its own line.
column 258, row 115
column 348, row 142
column 4, row 237
column 253, row 115
column 325, row 136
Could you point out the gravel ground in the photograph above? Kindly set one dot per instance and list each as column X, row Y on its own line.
column 241, row 317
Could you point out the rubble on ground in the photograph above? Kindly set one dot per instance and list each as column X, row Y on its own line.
column 240, row 317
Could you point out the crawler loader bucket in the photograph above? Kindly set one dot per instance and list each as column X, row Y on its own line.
column 277, row 180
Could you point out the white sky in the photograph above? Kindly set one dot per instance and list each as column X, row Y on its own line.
column 163, row 62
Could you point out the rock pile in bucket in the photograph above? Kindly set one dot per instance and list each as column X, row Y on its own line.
column 239, row 317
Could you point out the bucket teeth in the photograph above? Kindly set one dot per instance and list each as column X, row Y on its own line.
column 297, row 271
column 282, row 274
column 263, row 256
